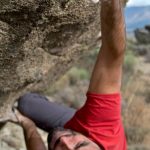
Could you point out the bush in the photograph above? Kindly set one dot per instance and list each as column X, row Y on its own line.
column 77, row 74
column 130, row 61
column 136, row 135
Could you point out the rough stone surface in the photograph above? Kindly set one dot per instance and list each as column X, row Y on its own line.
column 143, row 35
column 39, row 41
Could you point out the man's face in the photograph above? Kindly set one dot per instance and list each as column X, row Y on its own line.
column 64, row 139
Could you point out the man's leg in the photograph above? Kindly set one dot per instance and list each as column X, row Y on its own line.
column 45, row 114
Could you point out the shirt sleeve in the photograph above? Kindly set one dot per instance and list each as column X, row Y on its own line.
column 100, row 120
column 100, row 108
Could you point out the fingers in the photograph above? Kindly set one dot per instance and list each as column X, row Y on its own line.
column 16, row 116
column 13, row 118
column 21, row 118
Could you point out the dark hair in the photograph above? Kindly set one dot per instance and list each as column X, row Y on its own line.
column 51, row 132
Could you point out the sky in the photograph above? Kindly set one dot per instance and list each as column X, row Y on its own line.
column 138, row 2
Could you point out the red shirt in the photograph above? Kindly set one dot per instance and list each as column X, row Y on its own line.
column 100, row 120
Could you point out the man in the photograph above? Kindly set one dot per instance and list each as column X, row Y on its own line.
column 97, row 125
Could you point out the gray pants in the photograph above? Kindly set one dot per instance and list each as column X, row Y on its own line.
column 45, row 114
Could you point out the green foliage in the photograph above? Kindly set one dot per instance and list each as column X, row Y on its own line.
column 130, row 61
column 77, row 74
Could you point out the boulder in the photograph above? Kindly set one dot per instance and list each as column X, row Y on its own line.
column 147, row 27
column 143, row 35
column 39, row 41
column 141, row 49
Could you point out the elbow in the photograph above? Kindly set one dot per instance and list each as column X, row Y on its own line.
column 115, row 50
column 118, row 48
column 118, row 52
column 116, row 45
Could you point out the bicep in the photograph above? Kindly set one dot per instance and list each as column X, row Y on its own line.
column 107, row 73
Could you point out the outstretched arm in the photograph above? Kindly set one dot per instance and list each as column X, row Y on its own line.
column 106, row 77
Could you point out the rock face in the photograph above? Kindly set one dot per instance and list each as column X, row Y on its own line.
column 143, row 35
column 39, row 41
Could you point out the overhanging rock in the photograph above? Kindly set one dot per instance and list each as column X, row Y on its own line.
column 39, row 42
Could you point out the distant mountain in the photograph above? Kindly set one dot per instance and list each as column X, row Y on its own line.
column 137, row 17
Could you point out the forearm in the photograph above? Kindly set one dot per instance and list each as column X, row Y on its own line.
column 107, row 73
column 33, row 139
column 113, row 26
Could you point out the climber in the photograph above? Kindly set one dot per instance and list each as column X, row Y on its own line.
column 97, row 125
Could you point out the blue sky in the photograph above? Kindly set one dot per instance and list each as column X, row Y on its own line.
column 138, row 2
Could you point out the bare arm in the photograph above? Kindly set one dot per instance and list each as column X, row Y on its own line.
column 32, row 138
column 106, row 77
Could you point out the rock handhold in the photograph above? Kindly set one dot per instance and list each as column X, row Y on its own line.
column 39, row 41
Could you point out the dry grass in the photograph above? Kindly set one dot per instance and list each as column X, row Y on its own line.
column 136, row 109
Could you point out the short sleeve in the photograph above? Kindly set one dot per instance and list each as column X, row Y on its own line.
column 100, row 120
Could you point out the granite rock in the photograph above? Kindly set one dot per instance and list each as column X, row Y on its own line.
column 143, row 35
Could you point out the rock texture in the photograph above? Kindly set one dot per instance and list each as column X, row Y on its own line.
column 39, row 41
column 143, row 35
